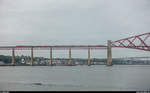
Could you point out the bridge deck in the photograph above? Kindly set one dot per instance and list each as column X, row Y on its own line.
column 57, row 47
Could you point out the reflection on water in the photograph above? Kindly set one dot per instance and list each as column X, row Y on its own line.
column 60, row 78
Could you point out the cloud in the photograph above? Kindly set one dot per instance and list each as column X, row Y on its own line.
column 54, row 22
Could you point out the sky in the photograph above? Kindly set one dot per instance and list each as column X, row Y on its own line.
column 73, row 22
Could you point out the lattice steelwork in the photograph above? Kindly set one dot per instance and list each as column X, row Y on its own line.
column 140, row 42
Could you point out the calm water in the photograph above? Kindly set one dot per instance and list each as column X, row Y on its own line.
column 75, row 78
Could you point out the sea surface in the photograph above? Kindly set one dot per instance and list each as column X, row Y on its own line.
column 75, row 78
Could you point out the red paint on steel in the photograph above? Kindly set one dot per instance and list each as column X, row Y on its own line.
column 56, row 47
column 131, row 42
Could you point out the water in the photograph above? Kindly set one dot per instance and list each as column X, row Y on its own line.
column 75, row 78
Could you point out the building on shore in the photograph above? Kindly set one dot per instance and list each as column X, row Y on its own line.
column 98, row 63
column 2, row 63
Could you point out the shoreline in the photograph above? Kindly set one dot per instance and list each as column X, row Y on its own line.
column 67, row 65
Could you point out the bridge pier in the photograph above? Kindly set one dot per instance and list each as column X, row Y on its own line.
column 13, row 57
column 89, row 61
column 69, row 61
column 31, row 62
column 51, row 60
column 109, row 53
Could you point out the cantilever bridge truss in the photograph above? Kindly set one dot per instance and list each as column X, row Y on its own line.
column 140, row 42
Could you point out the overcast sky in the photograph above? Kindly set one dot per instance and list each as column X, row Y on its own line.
column 57, row 22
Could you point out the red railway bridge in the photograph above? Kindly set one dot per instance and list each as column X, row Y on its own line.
column 139, row 42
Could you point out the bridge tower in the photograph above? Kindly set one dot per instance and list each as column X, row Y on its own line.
column 89, row 61
column 13, row 57
column 109, row 53
column 31, row 63
column 69, row 61
column 51, row 61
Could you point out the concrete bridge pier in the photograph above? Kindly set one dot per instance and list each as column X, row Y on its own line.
column 89, row 60
column 109, row 53
column 69, row 61
column 51, row 60
column 31, row 62
column 13, row 57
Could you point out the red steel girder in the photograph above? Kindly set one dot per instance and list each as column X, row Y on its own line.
column 135, row 42
column 130, row 42
column 55, row 47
